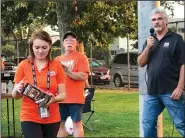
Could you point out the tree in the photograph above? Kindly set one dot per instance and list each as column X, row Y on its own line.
column 23, row 13
column 64, row 16
column 23, row 19
column 103, row 20
column 9, row 50
column 169, row 5
column 100, row 19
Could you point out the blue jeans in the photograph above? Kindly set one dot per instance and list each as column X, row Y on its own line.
column 154, row 105
column 74, row 110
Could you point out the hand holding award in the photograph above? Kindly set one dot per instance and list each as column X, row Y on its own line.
column 37, row 95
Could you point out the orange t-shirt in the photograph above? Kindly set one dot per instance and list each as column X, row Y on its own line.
column 75, row 62
column 2, row 65
column 29, row 109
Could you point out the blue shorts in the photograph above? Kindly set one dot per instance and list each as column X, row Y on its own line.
column 73, row 110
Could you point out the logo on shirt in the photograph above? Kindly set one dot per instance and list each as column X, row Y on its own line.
column 166, row 44
column 52, row 73
column 69, row 64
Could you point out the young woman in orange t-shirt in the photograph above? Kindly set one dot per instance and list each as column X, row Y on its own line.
column 47, row 75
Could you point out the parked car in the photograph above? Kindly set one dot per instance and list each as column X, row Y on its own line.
column 100, row 74
column 9, row 70
column 119, row 69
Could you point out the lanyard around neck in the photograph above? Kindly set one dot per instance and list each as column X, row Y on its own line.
column 35, row 79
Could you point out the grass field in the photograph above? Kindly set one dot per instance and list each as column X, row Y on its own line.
column 116, row 115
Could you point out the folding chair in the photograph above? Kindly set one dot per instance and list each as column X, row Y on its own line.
column 88, row 110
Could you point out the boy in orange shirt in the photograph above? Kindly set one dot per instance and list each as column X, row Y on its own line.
column 46, row 74
column 76, row 68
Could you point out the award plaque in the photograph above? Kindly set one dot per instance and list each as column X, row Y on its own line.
column 36, row 94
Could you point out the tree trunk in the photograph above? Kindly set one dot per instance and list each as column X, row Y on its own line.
column 81, row 47
column 107, row 56
column 14, row 36
column 21, row 33
column 28, row 33
column 62, row 17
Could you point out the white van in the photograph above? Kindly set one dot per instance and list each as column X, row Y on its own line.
column 119, row 69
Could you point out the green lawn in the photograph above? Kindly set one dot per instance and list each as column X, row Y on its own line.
column 117, row 114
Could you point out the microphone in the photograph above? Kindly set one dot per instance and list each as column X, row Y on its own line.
column 152, row 32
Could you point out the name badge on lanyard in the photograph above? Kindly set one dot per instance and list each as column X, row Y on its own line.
column 44, row 111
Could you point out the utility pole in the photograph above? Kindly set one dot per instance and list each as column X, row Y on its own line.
column 91, row 37
column 160, row 118
column 128, row 60
column 144, row 26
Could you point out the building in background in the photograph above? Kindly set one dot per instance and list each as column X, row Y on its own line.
column 120, row 45
column 177, row 24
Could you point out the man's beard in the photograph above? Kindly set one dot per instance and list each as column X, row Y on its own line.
column 158, row 28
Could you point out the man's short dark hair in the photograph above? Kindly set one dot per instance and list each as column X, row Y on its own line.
column 69, row 33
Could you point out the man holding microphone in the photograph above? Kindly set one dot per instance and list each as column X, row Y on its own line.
column 164, row 55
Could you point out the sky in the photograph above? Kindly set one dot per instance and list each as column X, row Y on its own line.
column 178, row 11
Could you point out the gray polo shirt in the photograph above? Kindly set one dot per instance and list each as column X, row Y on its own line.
column 165, row 61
